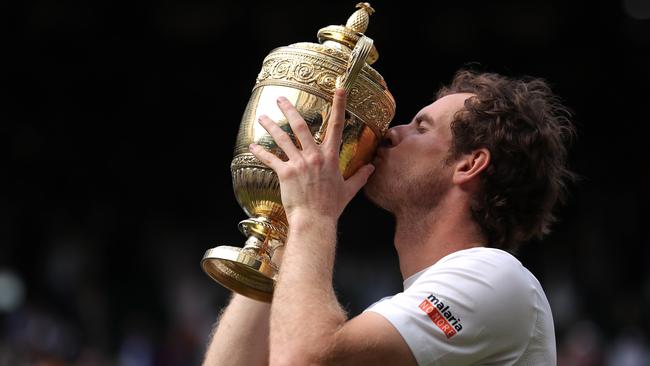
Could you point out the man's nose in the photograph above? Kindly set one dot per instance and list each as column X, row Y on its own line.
column 392, row 136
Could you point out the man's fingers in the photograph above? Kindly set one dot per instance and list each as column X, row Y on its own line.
column 336, row 122
column 358, row 180
column 281, row 138
column 297, row 123
column 265, row 156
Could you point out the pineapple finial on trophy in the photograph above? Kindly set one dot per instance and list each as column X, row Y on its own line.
column 346, row 36
column 358, row 21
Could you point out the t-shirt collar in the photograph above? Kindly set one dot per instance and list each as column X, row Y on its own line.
column 412, row 278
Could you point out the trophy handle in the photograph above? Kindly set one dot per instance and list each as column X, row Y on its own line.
column 357, row 60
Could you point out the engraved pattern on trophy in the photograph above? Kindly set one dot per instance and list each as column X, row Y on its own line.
column 372, row 73
column 257, row 191
column 368, row 101
column 306, row 74
column 300, row 71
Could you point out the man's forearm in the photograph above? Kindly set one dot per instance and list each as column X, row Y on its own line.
column 305, row 312
column 241, row 336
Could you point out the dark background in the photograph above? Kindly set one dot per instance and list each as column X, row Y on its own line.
column 119, row 120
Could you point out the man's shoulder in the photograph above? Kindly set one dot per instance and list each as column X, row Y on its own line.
column 488, row 280
column 469, row 306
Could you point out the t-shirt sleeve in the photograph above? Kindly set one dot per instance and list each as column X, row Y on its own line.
column 464, row 310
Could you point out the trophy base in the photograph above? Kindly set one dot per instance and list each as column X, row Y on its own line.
column 240, row 271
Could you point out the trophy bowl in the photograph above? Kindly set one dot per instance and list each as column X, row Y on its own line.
column 307, row 74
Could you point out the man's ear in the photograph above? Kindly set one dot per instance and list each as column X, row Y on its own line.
column 469, row 166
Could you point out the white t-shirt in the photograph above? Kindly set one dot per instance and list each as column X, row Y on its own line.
column 476, row 306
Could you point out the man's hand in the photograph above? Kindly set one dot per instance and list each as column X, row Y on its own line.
column 314, row 195
column 310, row 181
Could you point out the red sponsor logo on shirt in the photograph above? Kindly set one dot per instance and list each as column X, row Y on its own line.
column 441, row 316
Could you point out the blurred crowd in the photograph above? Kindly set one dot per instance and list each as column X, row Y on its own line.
column 81, row 315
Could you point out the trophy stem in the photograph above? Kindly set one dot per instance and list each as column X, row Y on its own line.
column 264, row 236
column 251, row 270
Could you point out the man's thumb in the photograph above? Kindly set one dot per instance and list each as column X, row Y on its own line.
column 359, row 179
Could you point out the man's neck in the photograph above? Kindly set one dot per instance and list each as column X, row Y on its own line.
column 423, row 238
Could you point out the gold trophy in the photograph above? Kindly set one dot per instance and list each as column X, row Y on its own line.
column 307, row 75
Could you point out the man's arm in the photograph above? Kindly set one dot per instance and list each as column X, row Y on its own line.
column 308, row 325
column 241, row 335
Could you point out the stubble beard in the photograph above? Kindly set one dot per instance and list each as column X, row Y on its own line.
column 408, row 194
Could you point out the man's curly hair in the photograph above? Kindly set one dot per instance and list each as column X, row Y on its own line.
column 527, row 131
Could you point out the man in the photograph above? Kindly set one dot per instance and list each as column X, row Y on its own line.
column 472, row 176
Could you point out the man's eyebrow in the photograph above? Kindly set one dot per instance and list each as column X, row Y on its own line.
column 425, row 118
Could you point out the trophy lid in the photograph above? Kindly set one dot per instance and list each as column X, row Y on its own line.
column 347, row 35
